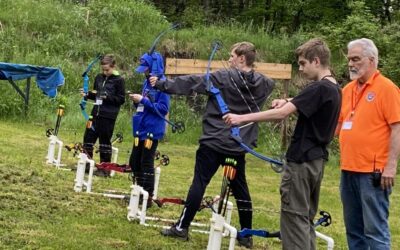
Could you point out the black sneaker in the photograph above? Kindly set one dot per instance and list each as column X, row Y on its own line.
column 175, row 233
column 101, row 173
column 246, row 242
column 149, row 202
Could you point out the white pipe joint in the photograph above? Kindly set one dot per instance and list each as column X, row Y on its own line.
column 157, row 173
column 80, row 174
column 329, row 240
column 53, row 140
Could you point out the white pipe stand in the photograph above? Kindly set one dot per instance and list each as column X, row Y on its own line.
column 80, row 175
column 135, row 212
column 115, row 152
column 218, row 226
column 53, row 140
column 88, row 184
column 329, row 240
column 229, row 209
column 157, row 173
column 80, row 182
column 115, row 159
column 133, row 208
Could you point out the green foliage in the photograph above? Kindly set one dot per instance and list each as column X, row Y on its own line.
column 389, row 52
column 192, row 17
column 362, row 23
column 338, row 21
column 71, row 32
column 278, row 16
column 69, row 35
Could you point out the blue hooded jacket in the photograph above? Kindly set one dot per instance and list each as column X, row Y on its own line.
column 147, row 122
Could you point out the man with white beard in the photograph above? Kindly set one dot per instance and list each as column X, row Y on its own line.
column 369, row 136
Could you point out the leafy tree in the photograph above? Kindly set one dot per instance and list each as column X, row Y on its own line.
column 360, row 23
column 275, row 16
column 390, row 52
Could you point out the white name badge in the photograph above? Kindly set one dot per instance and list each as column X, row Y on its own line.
column 99, row 101
column 347, row 125
column 140, row 108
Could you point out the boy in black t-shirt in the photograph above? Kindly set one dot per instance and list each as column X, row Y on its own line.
column 318, row 107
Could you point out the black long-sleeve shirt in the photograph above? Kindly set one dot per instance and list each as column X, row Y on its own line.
column 113, row 87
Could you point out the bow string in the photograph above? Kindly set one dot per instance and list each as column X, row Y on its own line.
column 276, row 165
column 85, row 89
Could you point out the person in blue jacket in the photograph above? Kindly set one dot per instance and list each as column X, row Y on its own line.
column 148, row 123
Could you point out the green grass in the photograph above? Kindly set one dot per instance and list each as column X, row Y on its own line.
column 40, row 210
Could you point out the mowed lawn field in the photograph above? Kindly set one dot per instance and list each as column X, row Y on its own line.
column 40, row 210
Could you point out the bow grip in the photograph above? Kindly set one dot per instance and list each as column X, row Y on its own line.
column 221, row 103
column 86, row 84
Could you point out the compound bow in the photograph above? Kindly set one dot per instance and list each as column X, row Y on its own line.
column 85, row 89
column 178, row 126
column 276, row 165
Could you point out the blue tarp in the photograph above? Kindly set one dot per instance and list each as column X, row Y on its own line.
column 47, row 78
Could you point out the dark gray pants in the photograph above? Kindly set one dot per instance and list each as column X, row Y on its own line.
column 300, row 188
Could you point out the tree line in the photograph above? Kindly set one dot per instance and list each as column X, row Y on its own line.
column 273, row 15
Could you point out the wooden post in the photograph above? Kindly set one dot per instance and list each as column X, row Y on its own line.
column 284, row 129
column 25, row 95
column 27, row 92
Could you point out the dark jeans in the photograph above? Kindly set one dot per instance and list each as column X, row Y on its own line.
column 365, row 212
column 207, row 163
column 142, row 164
column 103, row 129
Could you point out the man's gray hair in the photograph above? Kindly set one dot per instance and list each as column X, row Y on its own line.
column 368, row 46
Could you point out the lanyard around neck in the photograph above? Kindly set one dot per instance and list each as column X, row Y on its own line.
column 358, row 96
